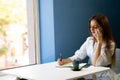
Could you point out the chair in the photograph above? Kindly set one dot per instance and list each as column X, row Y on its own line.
column 117, row 68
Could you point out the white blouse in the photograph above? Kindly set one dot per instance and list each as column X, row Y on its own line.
column 88, row 49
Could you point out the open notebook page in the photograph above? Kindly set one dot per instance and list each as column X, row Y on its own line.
column 68, row 65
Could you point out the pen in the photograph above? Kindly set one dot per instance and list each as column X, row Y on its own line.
column 60, row 57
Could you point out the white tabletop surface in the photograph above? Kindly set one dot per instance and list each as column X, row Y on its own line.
column 49, row 71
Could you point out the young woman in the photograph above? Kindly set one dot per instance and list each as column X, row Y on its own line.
column 99, row 46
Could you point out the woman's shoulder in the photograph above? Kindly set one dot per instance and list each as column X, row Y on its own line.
column 90, row 38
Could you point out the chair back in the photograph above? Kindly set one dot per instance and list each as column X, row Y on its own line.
column 117, row 68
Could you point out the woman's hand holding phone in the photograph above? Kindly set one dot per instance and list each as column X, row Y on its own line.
column 99, row 35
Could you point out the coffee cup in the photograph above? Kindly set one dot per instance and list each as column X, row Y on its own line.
column 75, row 65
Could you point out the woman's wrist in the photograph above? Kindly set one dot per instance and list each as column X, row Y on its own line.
column 100, row 43
column 64, row 61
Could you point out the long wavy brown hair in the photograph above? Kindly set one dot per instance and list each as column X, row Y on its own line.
column 102, row 20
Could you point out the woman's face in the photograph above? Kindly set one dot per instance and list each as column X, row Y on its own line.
column 93, row 27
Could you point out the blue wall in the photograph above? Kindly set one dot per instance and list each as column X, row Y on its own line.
column 69, row 24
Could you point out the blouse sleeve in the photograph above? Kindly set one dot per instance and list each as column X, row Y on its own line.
column 105, row 57
column 81, row 53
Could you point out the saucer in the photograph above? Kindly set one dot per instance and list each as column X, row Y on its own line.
column 75, row 69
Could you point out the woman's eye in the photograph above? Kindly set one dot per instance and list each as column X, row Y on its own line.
column 94, row 27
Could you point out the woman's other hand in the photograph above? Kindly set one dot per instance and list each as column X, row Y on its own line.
column 63, row 61
column 59, row 61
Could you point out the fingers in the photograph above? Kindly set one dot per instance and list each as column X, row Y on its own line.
column 99, row 32
column 59, row 61
column 99, row 35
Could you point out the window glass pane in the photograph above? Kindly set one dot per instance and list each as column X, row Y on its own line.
column 15, row 35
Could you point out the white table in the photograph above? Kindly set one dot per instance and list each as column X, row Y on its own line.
column 49, row 71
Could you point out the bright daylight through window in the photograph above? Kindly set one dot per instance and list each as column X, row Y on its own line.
column 17, row 33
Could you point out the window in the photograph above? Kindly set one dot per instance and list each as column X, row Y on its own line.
column 19, row 33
